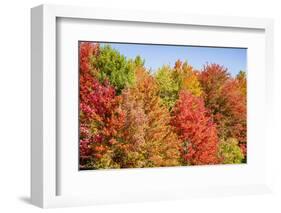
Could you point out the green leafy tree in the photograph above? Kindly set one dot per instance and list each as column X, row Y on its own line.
column 138, row 61
column 115, row 67
column 230, row 152
column 168, row 87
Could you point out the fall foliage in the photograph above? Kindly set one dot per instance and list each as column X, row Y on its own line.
column 172, row 80
column 196, row 130
column 225, row 97
column 148, row 138
column 230, row 152
column 101, row 116
column 131, row 117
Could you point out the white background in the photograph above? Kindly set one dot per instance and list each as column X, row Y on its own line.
column 15, row 105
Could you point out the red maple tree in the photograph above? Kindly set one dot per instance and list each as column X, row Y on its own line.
column 225, row 97
column 196, row 130
column 100, row 113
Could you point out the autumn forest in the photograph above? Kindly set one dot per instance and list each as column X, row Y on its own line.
column 177, row 115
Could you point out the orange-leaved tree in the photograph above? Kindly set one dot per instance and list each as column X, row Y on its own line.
column 187, row 78
column 148, row 137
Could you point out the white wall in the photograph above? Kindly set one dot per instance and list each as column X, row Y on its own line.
column 15, row 98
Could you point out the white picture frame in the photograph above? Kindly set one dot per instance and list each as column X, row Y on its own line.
column 45, row 157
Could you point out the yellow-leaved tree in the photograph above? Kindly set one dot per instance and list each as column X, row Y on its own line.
column 172, row 80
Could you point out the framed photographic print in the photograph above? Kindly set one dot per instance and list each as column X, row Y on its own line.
column 129, row 106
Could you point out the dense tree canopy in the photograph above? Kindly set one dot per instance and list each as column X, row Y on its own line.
column 230, row 152
column 132, row 117
column 225, row 97
column 172, row 80
column 100, row 114
column 147, row 130
column 114, row 67
column 168, row 87
column 186, row 78
column 196, row 130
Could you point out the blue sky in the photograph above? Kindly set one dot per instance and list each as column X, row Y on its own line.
column 235, row 59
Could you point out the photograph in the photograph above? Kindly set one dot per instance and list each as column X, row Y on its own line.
column 161, row 105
